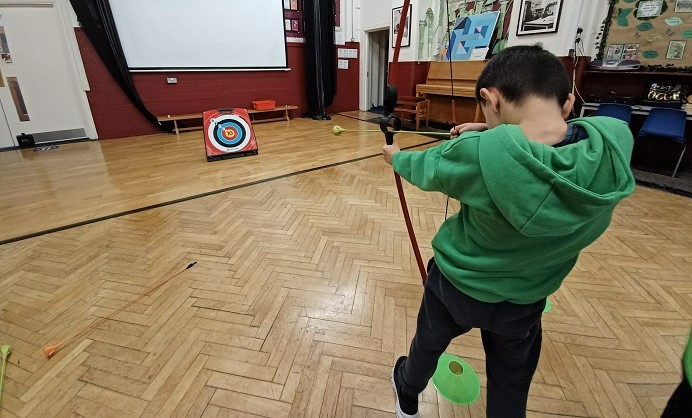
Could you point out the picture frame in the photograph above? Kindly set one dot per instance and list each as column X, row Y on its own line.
column 615, row 51
column 292, row 5
column 649, row 8
column 683, row 6
column 676, row 50
column 396, row 19
column 295, row 25
column 539, row 16
column 630, row 52
column 287, row 25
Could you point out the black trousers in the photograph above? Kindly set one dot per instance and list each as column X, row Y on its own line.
column 511, row 338
column 680, row 403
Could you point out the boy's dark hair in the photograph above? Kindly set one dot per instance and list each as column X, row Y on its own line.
column 519, row 72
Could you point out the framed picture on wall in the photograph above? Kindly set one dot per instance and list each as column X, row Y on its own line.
column 683, row 6
column 293, row 5
column 676, row 50
column 295, row 25
column 396, row 20
column 539, row 16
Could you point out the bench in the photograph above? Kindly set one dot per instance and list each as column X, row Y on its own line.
column 176, row 118
column 284, row 109
column 190, row 116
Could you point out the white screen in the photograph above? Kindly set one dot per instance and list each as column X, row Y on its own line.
column 163, row 34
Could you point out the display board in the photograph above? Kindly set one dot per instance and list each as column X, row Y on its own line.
column 656, row 32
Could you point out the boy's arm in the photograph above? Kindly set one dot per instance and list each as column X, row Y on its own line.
column 452, row 167
column 420, row 168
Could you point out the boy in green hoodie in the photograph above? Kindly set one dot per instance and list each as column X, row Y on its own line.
column 535, row 191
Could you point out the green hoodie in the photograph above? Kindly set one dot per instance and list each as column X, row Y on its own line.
column 528, row 208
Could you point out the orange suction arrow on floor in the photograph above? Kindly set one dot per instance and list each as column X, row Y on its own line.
column 50, row 350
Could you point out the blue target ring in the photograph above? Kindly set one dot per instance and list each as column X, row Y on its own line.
column 230, row 133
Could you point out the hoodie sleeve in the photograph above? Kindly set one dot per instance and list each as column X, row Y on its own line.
column 451, row 168
column 420, row 168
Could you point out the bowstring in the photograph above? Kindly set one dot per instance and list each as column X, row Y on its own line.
column 451, row 80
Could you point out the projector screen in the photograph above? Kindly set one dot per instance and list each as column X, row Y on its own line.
column 201, row 34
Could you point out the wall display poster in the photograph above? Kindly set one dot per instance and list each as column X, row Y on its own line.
column 654, row 32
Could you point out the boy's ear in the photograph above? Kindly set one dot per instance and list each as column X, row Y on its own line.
column 568, row 106
column 491, row 98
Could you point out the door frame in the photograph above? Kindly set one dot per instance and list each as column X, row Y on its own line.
column 364, row 84
column 67, row 22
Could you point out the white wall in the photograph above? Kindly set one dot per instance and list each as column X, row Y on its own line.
column 589, row 16
column 375, row 14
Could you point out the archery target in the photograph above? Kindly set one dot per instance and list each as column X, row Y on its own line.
column 229, row 133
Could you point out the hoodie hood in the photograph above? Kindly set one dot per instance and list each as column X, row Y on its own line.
column 546, row 191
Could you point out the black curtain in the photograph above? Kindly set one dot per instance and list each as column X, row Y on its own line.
column 320, row 56
column 96, row 19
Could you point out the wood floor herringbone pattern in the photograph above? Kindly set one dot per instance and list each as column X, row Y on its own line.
column 304, row 294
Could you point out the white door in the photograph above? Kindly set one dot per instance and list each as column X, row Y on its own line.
column 379, row 61
column 40, row 96
column 6, row 138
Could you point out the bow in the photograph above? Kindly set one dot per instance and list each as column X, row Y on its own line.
column 390, row 124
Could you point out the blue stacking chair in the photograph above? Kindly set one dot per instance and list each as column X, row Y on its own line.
column 667, row 124
column 614, row 110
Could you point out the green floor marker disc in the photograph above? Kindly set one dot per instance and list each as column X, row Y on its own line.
column 456, row 380
column 548, row 306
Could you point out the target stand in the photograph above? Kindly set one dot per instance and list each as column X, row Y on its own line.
column 228, row 133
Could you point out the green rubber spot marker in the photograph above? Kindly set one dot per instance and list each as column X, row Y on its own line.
column 644, row 26
column 548, row 306
column 650, row 54
column 5, row 350
column 456, row 380
column 687, row 34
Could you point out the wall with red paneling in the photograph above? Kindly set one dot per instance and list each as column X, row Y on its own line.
column 347, row 83
column 197, row 91
column 410, row 74
column 114, row 115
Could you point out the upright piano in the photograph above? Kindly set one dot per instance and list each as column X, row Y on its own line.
column 452, row 103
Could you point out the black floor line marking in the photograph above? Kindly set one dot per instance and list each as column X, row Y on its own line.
column 193, row 197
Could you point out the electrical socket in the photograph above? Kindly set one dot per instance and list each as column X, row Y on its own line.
column 172, row 80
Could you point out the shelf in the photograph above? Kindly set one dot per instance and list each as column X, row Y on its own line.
column 656, row 73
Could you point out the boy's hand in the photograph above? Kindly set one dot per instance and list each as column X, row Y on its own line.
column 389, row 150
column 468, row 127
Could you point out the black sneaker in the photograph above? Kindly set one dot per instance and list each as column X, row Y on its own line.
column 405, row 407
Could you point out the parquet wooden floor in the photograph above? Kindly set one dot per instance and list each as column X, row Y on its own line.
column 88, row 180
column 304, row 294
